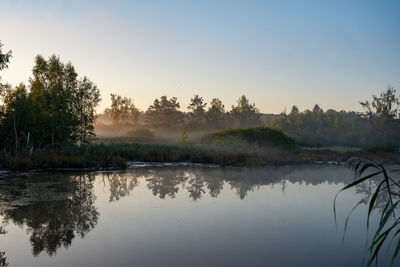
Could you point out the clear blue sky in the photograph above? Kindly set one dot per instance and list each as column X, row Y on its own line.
column 278, row 53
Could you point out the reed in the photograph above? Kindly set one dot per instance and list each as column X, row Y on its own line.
column 114, row 155
column 387, row 188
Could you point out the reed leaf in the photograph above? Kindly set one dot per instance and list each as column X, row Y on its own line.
column 372, row 201
column 385, row 187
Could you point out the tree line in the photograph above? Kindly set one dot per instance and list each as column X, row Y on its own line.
column 165, row 113
column 56, row 108
column 378, row 123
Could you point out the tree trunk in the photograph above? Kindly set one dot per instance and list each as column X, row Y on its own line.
column 27, row 140
column 16, row 136
column 52, row 138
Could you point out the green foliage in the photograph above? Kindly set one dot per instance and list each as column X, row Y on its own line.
column 260, row 137
column 386, row 189
column 57, row 110
column 141, row 134
column 245, row 114
column 385, row 106
column 228, row 142
column 16, row 117
column 317, row 109
column 87, row 97
column 72, row 158
column 295, row 110
column 123, row 109
column 215, row 116
column 114, row 155
column 197, row 111
column 164, row 113
column 376, row 148
column 4, row 58
column 336, row 128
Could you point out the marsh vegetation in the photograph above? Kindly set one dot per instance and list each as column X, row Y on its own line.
column 384, row 196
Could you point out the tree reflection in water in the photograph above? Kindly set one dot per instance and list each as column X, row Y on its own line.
column 167, row 181
column 196, row 186
column 368, row 187
column 166, row 184
column 3, row 258
column 60, row 208
column 121, row 184
column 56, row 213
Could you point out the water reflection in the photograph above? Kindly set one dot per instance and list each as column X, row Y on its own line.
column 167, row 181
column 3, row 259
column 366, row 190
column 120, row 184
column 53, row 213
column 56, row 208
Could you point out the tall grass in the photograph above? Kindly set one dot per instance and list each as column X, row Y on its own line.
column 114, row 155
column 387, row 188
column 251, row 137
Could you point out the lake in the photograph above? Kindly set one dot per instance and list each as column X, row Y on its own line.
column 182, row 216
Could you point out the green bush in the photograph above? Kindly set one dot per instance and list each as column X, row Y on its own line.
column 261, row 137
column 377, row 148
column 141, row 134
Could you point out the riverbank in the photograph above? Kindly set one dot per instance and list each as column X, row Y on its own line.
column 118, row 156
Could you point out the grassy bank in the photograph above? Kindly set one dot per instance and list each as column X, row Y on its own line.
column 115, row 156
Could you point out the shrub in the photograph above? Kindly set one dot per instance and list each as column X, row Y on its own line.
column 377, row 148
column 261, row 137
column 141, row 134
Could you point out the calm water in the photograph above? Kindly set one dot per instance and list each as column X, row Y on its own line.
column 182, row 216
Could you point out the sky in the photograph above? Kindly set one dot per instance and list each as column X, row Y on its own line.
column 277, row 53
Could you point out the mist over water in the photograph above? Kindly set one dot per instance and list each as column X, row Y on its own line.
column 149, row 133
column 181, row 216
